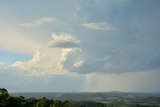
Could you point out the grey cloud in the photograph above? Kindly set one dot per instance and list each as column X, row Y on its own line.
column 64, row 44
column 133, row 47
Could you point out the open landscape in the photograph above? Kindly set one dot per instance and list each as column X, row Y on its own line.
column 83, row 99
column 101, row 99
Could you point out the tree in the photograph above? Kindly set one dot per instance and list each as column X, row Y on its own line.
column 66, row 103
column 12, row 102
column 3, row 96
column 58, row 103
column 43, row 102
column 4, row 92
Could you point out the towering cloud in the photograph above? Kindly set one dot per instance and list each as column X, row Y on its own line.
column 132, row 47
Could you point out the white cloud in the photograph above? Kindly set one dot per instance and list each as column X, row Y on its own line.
column 39, row 22
column 63, row 41
column 99, row 26
column 44, row 62
column 78, row 64
column 3, row 65
column 13, row 79
column 48, row 60
column 70, row 59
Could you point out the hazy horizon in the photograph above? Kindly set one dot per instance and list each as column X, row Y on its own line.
column 80, row 45
column 138, row 92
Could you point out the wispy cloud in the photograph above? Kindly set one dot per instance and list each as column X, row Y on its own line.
column 99, row 26
column 39, row 22
column 12, row 40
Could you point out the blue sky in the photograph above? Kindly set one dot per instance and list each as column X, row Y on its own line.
column 11, row 58
column 97, row 43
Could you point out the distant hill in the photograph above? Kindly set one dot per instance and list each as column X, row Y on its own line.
column 87, row 95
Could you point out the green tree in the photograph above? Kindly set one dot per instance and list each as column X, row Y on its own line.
column 4, row 92
column 11, row 102
column 58, row 103
column 43, row 102
column 3, row 96
column 66, row 103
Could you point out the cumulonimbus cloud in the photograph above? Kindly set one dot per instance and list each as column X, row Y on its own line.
column 132, row 48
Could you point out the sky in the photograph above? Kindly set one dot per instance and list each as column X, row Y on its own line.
column 80, row 45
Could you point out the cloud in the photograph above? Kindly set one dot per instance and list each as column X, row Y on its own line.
column 12, row 40
column 39, row 22
column 3, row 65
column 78, row 64
column 134, row 47
column 63, row 41
column 44, row 62
column 98, row 26
column 13, row 80
column 70, row 59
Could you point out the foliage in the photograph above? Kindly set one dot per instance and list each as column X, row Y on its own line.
column 9, row 101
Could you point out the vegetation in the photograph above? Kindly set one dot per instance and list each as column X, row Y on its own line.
column 9, row 101
column 82, row 100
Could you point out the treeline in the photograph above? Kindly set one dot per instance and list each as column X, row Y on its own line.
column 7, row 100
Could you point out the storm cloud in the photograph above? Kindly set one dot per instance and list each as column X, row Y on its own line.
column 133, row 47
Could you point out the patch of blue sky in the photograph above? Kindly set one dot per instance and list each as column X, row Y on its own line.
column 10, row 57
